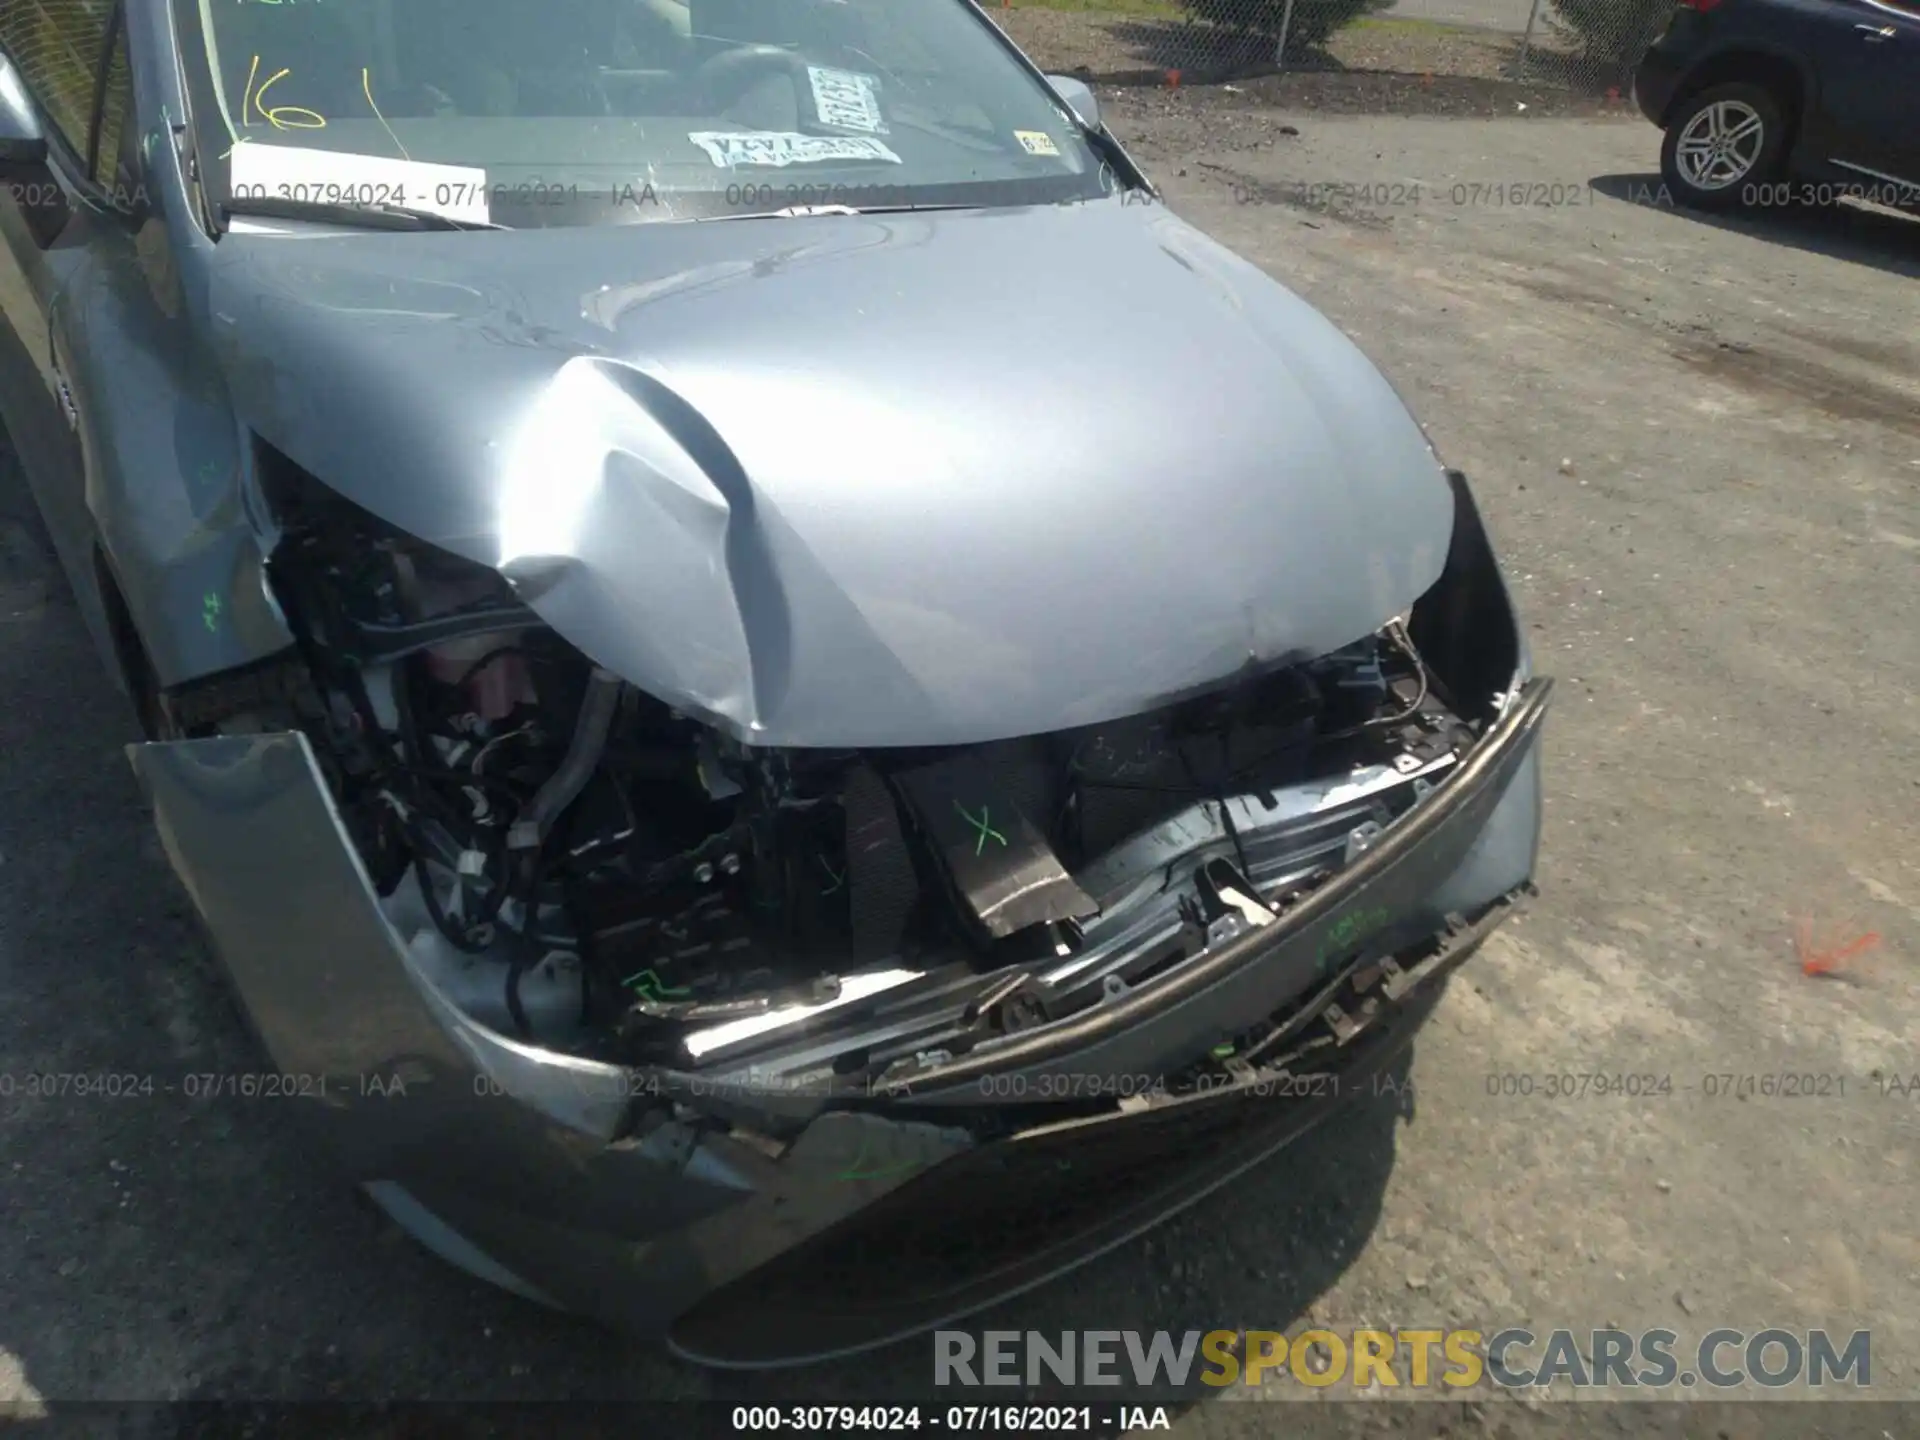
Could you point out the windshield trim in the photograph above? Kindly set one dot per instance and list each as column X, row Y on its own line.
column 383, row 216
column 1125, row 170
column 1101, row 170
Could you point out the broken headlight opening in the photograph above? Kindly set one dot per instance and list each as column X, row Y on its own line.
column 575, row 863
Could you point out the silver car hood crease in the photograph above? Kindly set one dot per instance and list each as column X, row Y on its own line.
column 858, row 480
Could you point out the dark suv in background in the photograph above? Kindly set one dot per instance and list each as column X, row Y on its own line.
column 1769, row 102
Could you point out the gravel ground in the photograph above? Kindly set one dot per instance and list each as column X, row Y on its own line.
column 1333, row 93
column 1385, row 67
column 1697, row 445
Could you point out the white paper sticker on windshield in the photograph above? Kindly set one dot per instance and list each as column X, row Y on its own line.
column 339, row 177
column 847, row 99
column 728, row 150
column 1036, row 142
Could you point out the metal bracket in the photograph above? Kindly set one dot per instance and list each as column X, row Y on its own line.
column 1338, row 1021
column 1349, row 1027
column 1361, row 839
column 1016, row 1003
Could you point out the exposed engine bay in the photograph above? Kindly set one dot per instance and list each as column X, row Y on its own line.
column 574, row 863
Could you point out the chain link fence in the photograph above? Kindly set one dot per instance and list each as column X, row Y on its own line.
column 1581, row 46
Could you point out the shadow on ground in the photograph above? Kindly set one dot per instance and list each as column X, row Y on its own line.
column 1464, row 74
column 1201, row 52
column 1880, row 239
column 1197, row 51
column 1255, row 1257
column 1571, row 70
column 1115, row 48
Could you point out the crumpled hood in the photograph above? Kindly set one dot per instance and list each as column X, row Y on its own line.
column 921, row 479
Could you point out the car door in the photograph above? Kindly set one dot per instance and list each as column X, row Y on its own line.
column 1870, row 88
column 58, row 54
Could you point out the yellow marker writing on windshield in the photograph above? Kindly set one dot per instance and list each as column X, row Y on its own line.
column 366, row 88
column 281, row 117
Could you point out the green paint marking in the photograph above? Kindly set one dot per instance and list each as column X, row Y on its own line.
column 882, row 1173
column 650, row 986
column 855, row 1172
column 210, row 608
column 1350, row 931
column 981, row 827
column 1223, row 1052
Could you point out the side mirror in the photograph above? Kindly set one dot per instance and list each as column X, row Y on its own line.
column 21, row 152
column 1079, row 97
column 23, row 161
column 22, row 145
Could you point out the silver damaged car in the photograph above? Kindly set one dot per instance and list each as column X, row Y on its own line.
column 796, row 706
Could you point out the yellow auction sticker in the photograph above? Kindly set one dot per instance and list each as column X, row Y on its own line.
column 1036, row 142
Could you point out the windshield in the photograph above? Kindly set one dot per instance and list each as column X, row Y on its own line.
column 575, row 112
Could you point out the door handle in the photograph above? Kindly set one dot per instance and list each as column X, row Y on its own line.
column 1876, row 33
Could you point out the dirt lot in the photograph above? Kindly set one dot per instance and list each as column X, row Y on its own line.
column 1699, row 447
column 1389, row 65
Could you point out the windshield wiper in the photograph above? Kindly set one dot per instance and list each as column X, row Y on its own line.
column 381, row 216
column 791, row 211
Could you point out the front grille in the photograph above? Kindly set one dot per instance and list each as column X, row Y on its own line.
column 1000, row 1218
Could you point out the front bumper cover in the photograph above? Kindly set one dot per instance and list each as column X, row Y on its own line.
column 581, row 1184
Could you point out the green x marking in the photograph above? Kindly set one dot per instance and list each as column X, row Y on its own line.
column 650, row 986
column 981, row 828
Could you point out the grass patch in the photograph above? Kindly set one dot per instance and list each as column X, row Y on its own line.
column 1171, row 10
column 1400, row 25
column 1148, row 9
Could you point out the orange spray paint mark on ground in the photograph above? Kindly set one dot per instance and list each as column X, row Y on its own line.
column 1173, row 79
column 1828, row 960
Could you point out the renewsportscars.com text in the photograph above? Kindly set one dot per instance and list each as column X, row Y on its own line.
column 1513, row 1358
